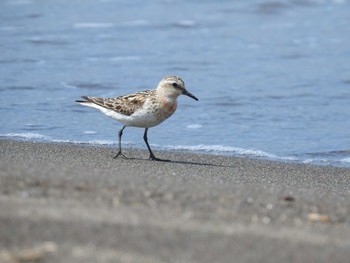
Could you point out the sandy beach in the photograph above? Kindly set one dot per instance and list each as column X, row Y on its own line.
column 72, row 203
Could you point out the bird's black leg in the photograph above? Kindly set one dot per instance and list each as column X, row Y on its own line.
column 120, row 133
column 151, row 156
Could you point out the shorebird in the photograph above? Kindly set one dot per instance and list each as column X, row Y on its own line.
column 143, row 109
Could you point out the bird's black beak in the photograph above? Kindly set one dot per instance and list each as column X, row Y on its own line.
column 185, row 92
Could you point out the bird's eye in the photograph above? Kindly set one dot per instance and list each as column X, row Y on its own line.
column 175, row 85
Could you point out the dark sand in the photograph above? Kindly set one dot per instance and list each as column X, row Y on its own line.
column 69, row 203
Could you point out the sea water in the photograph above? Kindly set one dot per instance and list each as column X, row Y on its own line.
column 272, row 77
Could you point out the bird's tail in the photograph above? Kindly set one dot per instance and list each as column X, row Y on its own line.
column 86, row 100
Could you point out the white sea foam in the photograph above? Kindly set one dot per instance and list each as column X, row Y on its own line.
column 194, row 126
column 318, row 161
column 89, row 132
column 220, row 149
column 93, row 142
column 345, row 160
column 69, row 86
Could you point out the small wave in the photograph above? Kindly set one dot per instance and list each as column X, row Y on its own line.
column 25, row 60
column 20, row 2
column 93, row 25
column 123, row 58
column 8, row 28
column 136, row 23
column 337, row 157
column 41, row 41
column 84, row 85
column 27, row 136
column 20, row 88
column 185, row 23
column 45, row 138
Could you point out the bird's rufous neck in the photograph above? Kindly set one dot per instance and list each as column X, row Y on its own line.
column 168, row 103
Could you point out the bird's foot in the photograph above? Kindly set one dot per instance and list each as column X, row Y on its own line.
column 121, row 155
column 153, row 158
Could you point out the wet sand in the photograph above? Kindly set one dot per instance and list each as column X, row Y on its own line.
column 72, row 203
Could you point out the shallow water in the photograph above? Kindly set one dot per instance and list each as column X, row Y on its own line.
column 272, row 77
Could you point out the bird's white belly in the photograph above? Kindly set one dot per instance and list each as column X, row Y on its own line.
column 142, row 119
column 146, row 117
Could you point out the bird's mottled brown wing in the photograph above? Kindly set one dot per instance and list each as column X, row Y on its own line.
column 125, row 105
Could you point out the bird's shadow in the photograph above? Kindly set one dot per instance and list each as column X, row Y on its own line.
column 198, row 163
column 176, row 162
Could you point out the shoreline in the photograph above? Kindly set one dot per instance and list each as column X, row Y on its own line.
column 72, row 203
column 264, row 157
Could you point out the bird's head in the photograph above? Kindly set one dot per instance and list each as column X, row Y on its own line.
column 173, row 86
